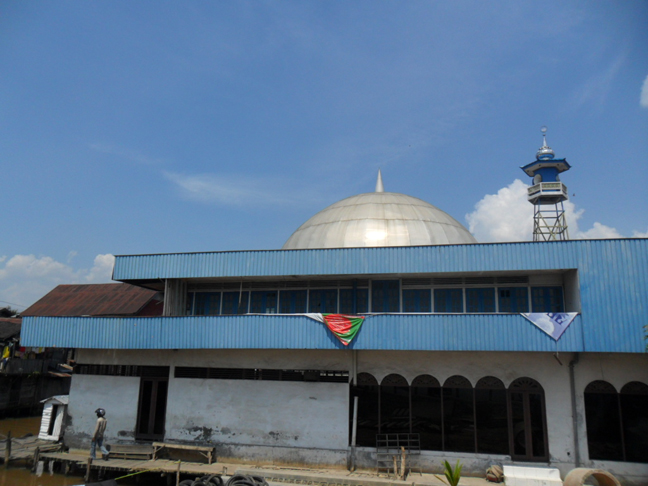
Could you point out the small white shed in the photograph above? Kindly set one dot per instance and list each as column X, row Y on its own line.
column 53, row 414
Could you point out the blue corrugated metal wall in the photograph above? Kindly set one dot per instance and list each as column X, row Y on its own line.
column 612, row 276
column 435, row 332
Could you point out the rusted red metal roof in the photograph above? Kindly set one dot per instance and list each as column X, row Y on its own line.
column 95, row 300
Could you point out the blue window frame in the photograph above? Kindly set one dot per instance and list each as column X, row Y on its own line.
column 547, row 299
column 324, row 301
column 513, row 299
column 385, row 296
column 448, row 300
column 264, row 302
column 204, row 303
column 417, row 300
column 292, row 301
column 235, row 302
column 480, row 299
column 347, row 301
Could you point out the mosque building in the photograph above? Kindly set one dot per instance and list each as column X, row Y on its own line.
column 380, row 317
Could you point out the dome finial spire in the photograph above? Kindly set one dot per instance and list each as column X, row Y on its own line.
column 379, row 183
column 545, row 152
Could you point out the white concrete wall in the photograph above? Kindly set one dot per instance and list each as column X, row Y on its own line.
column 118, row 395
column 243, row 414
column 274, row 413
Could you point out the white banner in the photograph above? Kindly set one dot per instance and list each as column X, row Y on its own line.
column 553, row 324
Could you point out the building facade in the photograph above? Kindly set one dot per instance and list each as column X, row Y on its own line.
column 444, row 352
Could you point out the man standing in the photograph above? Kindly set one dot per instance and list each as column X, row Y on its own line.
column 98, row 436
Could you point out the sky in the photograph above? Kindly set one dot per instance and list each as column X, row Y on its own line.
column 159, row 126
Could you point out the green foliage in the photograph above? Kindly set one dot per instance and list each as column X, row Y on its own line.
column 452, row 474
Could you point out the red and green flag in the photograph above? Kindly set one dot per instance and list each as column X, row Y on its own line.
column 344, row 327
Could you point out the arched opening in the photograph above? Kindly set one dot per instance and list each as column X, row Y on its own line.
column 426, row 412
column 394, row 405
column 527, row 421
column 603, row 421
column 491, row 416
column 458, row 415
column 634, row 417
column 368, row 393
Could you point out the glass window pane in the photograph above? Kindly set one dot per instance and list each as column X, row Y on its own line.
column 206, row 303
column 513, row 299
column 264, row 302
column 385, row 296
column 448, row 300
column 235, row 302
column 417, row 300
column 480, row 300
column 293, row 301
column 324, row 301
column 547, row 299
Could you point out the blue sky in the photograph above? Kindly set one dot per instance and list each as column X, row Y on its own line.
column 152, row 126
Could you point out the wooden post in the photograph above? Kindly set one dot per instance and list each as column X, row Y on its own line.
column 87, row 475
column 36, row 457
column 7, row 450
column 402, row 467
column 396, row 475
column 178, row 473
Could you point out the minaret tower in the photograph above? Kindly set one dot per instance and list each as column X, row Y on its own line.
column 547, row 194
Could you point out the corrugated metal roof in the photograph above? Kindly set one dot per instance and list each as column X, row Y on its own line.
column 492, row 257
column 92, row 300
column 9, row 327
column 436, row 332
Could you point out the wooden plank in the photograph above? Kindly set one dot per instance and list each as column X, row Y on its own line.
column 167, row 445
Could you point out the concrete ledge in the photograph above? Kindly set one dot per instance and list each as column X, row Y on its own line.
column 532, row 476
column 319, row 478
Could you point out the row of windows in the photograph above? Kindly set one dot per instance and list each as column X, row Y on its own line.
column 385, row 296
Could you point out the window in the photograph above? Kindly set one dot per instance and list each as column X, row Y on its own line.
column 448, row 300
column 417, row 300
column 513, row 300
column 205, row 303
column 547, row 299
column 324, row 301
column 235, row 302
column 480, row 300
column 292, row 301
column 384, row 296
column 347, row 304
column 264, row 302
column 527, row 420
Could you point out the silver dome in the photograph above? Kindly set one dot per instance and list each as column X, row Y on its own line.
column 379, row 219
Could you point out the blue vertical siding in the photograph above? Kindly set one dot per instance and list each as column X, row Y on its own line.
column 612, row 277
column 432, row 332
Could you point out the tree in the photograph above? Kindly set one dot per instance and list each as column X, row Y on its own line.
column 8, row 312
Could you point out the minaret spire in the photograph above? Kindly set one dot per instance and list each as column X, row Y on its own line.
column 379, row 183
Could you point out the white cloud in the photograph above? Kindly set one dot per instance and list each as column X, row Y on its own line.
column 595, row 90
column 640, row 234
column 26, row 278
column 508, row 216
column 643, row 101
column 233, row 190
